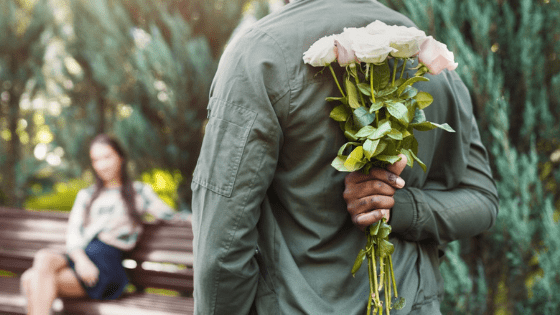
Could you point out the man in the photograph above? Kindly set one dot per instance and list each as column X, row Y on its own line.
column 272, row 234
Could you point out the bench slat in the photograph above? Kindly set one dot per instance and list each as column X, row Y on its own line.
column 25, row 232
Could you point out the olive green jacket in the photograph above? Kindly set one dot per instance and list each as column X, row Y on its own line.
column 271, row 230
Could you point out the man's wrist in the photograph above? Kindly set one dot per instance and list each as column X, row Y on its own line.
column 402, row 213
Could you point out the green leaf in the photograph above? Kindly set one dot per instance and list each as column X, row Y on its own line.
column 350, row 135
column 424, row 99
column 365, row 131
column 411, row 107
column 374, row 229
column 364, row 88
column 399, row 82
column 352, row 94
column 410, row 81
column 388, row 158
column 362, row 117
column 344, row 146
column 375, row 106
column 384, row 229
column 340, row 113
column 426, row 125
column 399, row 305
column 409, row 92
column 419, row 117
column 387, row 91
column 445, row 127
column 358, row 262
column 381, row 76
column 370, row 146
column 343, row 100
column 380, row 147
column 399, row 111
column 409, row 158
column 422, row 165
column 338, row 163
column 355, row 161
column 383, row 129
column 385, row 248
column 395, row 134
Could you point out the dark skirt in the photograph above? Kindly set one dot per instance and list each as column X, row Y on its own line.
column 112, row 276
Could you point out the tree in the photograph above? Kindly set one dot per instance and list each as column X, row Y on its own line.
column 147, row 68
column 24, row 26
column 508, row 57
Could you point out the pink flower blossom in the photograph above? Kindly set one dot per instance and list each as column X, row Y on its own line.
column 436, row 56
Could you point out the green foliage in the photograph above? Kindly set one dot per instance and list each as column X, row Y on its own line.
column 508, row 57
column 63, row 194
column 379, row 114
column 164, row 183
column 137, row 69
column 61, row 198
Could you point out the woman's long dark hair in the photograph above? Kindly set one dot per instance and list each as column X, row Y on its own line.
column 127, row 191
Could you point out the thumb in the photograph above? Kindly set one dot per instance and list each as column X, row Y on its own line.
column 399, row 166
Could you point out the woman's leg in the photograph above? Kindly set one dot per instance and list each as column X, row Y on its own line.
column 68, row 284
column 44, row 281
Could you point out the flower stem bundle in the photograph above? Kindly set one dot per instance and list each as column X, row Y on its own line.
column 378, row 110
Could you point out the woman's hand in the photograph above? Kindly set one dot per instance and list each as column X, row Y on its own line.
column 369, row 198
column 88, row 272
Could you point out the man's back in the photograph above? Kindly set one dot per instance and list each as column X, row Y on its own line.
column 264, row 177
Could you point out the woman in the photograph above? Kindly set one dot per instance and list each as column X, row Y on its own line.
column 105, row 221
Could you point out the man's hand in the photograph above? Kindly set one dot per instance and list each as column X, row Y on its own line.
column 370, row 197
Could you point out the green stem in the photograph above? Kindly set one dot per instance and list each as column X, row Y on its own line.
column 370, row 277
column 395, row 64
column 393, row 276
column 359, row 92
column 389, row 279
column 336, row 80
column 388, row 287
column 374, row 267
column 403, row 67
column 387, row 298
column 371, row 85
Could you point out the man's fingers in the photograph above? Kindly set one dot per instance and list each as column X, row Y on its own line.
column 367, row 188
column 364, row 220
column 369, row 203
column 399, row 166
column 389, row 175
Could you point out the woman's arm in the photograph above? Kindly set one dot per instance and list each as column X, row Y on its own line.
column 155, row 206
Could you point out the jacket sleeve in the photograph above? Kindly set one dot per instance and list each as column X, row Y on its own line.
column 235, row 167
column 463, row 206
column 153, row 203
column 75, row 231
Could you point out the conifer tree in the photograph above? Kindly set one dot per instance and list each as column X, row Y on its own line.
column 24, row 26
column 147, row 68
column 508, row 54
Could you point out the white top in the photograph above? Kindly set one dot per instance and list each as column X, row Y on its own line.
column 108, row 217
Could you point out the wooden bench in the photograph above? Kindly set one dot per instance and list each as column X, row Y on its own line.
column 161, row 262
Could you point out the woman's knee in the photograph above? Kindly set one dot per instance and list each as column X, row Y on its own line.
column 47, row 261
column 25, row 280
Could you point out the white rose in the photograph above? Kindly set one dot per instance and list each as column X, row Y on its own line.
column 371, row 48
column 321, row 53
column 376, row 27
column 406, row 40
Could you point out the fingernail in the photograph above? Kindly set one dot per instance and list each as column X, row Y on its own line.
column 400, row 182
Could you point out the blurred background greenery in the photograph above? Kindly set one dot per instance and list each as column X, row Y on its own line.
column 141, row 69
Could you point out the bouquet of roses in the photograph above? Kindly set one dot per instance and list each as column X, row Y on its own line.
column 378, row 113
